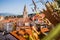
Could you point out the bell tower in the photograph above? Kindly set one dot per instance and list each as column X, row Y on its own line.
column 25, row 15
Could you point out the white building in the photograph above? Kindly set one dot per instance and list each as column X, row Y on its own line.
column 8, row 27
column 1, row 18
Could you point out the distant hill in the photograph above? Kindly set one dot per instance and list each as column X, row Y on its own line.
column 11, row 14
column 6, row 14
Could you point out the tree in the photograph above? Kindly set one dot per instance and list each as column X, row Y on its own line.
column 53, row 34
column 58, row 1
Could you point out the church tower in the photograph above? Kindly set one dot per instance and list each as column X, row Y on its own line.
column 25, row 15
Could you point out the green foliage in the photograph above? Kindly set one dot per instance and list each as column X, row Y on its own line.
column 53, row 34
column 58, row 2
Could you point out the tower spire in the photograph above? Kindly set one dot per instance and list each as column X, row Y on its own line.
column 25, row 15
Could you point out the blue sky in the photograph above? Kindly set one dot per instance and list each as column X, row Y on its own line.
column 16, row 6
